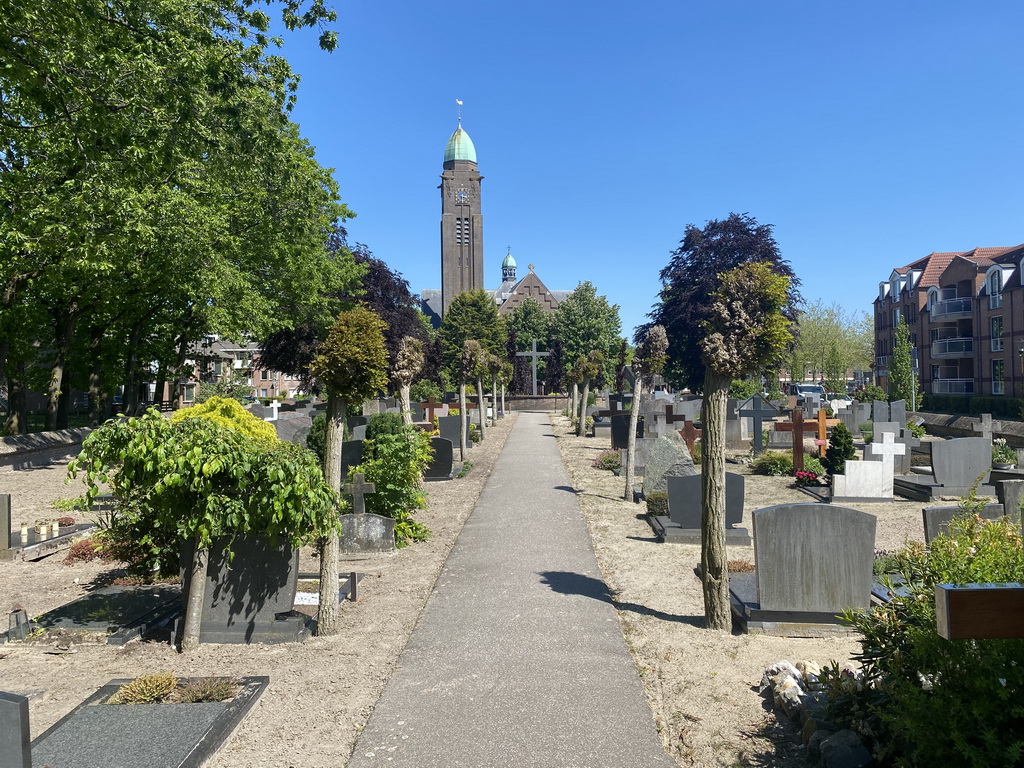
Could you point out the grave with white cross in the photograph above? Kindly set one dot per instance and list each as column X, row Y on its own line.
column 866, row 481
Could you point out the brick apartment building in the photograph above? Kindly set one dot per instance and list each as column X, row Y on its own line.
column 965, row 312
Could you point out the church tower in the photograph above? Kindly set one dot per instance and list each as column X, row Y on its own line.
column 462, row 225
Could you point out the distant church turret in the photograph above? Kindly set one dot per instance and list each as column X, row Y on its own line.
column 462, row 224
column 508, row 268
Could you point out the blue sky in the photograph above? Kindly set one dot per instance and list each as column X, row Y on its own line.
column 868, row 134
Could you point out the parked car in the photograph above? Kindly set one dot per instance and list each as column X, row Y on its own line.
column 807, row 390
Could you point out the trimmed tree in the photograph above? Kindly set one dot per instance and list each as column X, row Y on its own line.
column 408, row 363
column 351, row 365
column 592, row 368
column 648, row 362
column 722, row 324
column 469, row 361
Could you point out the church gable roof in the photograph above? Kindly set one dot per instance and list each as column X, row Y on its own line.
column 530, row 286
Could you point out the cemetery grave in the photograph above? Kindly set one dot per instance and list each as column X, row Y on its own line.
column 30, row 541
column 167, row 734
column 682, row 525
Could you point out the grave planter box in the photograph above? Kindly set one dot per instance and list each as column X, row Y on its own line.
column 249, row 599
column 175, row 735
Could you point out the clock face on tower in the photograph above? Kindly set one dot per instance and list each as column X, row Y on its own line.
column 462, row 196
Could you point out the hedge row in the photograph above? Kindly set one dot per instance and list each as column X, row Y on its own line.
column 1005, row 407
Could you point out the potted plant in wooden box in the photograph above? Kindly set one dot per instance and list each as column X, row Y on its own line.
column 207, row 477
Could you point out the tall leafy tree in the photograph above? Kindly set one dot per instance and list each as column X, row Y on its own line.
column 351, row 364
column 903, row 381
column 728, row 301
column 585, row 321
column 472, row 315
column 554, row 370
column 530, row 322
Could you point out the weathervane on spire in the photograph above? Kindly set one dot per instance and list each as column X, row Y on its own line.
column 459, row 102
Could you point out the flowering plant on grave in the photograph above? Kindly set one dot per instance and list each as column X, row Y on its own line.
column 805, row 477
column 1003, row 453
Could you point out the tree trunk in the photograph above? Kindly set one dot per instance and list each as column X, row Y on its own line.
column 195, row 599
column 130, row 398
column 714, row 570
column 503, row 399
column 573, row 398
column 494, row 399
column 178, row 399
column 634, row 419
column 463, row 422
column 327, row 619
column 64, row 328
column 15, row 424
column 404, row 404
column 481, row 404
column 581, row 428
column 95, row 374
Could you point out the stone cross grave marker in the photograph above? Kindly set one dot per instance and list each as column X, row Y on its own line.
column 533, row 354
column 986, row 426
column 15, row 738
column 888, row 449
column 358, row 489
column 758, row 409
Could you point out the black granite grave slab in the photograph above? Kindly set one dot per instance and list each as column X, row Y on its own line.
column 121, row 613
column 449, row 428
column 936, row 519
column 143, row 735
column 441, row 466
column 15, row 743
column 683, row 523
column 751, row 618
column 351, row 455
column 620, row 429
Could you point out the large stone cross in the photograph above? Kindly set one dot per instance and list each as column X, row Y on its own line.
column 358, row 489
column 760, row 411
column 987, row 425
column 888, row 449
column 533, row 354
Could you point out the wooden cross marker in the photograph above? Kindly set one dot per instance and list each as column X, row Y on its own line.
column 760, row 411
column 670, row 415
column 987, row 425
column 431, row 407
column 358, row 489
column 534, row 354
column 690, row 434
column 797, row 426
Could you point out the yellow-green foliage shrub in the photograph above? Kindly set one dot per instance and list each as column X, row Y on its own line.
column 229, row 413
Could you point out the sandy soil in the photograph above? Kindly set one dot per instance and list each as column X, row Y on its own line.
column 699, row 683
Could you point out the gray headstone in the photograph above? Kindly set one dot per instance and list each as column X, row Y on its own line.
column 684, row 500
column 418, row 412
column 1010, row 494
column 643, row 450
column 5, row 521
column 958, row 463
column 862, row 413
column 620, row 429
column 372, row 407
column 294, row 430
column 849, row 418
column 905, row 462
column 936, row 519
column 813, row 557
column 440, row 466
column 367, row 533
column 258, row 410
column 356, row 421
column 732, row 407
column 879, row 410
column 688, row 408
column 244, row 594
column 358, row 432
column 351, row 455
column 666, row 458
column 450, row 429
column 898, row 412
column 15, row 737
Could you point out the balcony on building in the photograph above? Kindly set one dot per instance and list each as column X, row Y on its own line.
column 953, row 387
column 951, row 307
column 946, row 349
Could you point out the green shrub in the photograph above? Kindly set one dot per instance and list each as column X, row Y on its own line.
column 741, row 389
column 657, row 504
column 316, row 440
column 385, row 424
column 395, row 463
column 840, row 450
column 611, row 459
column 870, row 393
column 773, row 463
column 147, row 689
column 207, row 689
column 229, row 413
column 422, row 390
column 813, row 464
column 924, row 700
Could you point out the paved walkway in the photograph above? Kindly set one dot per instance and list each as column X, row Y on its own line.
column 518, row 659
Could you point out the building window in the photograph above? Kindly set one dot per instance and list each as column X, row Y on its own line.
column 997, row 377
column 264, row 375
column 895, row 317
column 935, row 373
column 995, row 290
column 188, row 393
column 996, row 327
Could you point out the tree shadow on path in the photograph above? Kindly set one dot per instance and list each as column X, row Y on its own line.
column 569, row 583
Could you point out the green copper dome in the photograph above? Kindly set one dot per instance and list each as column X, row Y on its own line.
column 509, row 261
column 460, row 147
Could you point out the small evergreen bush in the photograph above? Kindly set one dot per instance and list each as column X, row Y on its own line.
column 840, row 450
column 611, row 459
column 147, row 689
column 207, row 689
column 384, row 424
